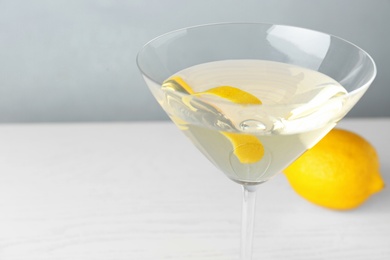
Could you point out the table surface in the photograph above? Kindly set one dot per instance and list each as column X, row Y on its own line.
column 142, row 191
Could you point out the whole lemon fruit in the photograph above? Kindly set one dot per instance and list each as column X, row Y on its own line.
column 340, row 172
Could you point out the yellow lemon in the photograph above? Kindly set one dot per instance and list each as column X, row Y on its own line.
column 341, row 172
column 247, row 148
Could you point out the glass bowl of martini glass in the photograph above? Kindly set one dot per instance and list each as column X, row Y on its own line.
column 253, row 97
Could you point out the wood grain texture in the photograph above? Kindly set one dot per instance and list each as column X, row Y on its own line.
column 142, row 191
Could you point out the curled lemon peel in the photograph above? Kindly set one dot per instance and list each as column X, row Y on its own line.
column 247, row 148
column 232, row 94
column 176, row 83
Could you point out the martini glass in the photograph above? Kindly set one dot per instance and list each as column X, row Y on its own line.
column 253, row 97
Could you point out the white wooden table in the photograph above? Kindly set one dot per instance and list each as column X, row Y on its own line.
column 142, row 191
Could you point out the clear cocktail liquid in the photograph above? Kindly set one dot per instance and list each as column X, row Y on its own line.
column 299, row 106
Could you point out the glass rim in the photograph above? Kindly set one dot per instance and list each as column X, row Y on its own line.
column 358, row 89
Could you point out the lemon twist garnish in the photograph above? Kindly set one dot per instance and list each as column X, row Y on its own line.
column 176, row 83
column 232, row 94
column 247, row 148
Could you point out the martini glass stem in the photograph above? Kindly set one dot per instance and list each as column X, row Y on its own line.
column 248, row 220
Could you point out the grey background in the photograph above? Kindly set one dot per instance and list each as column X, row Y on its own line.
column 74, row 60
